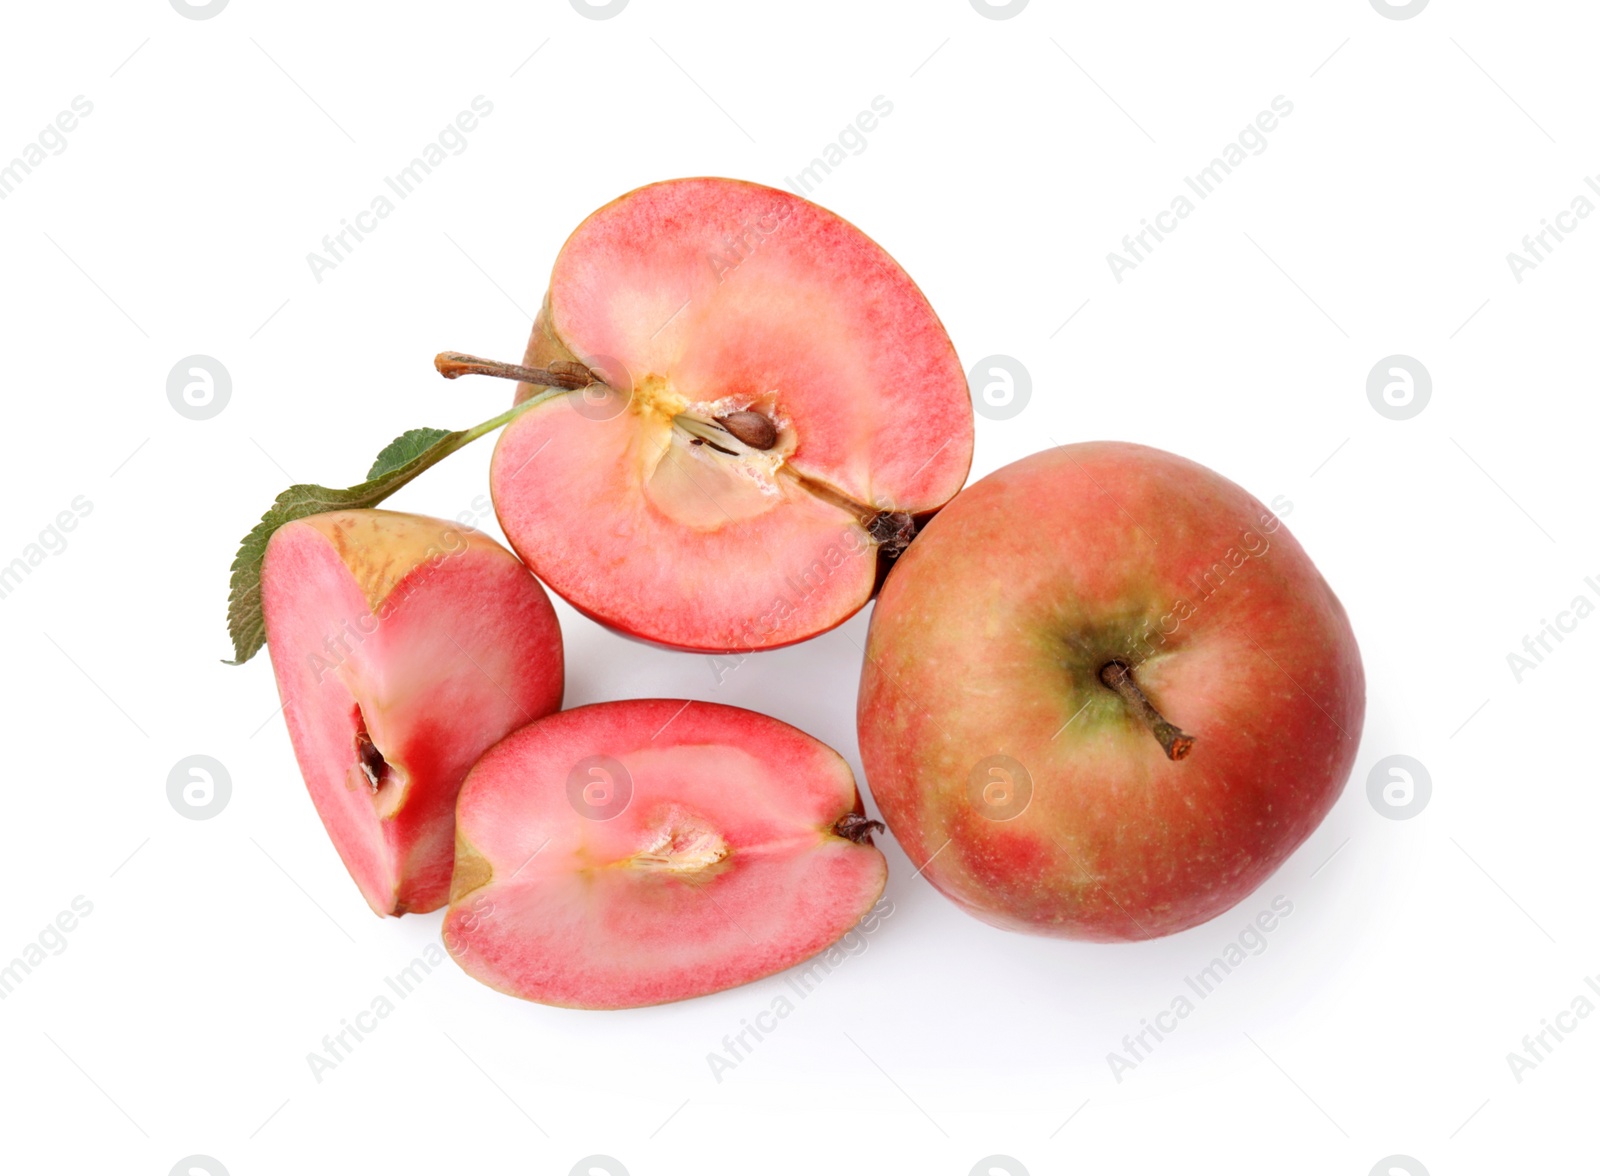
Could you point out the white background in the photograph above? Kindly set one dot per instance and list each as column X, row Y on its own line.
column 177, row 221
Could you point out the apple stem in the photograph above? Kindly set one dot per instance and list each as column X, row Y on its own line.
column 858, row 828
column 561, row 374
column 1119, row 677
column 891, row 530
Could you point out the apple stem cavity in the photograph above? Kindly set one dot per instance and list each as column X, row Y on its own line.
column 561, row 374
column 858, row 828
column 1119, row 677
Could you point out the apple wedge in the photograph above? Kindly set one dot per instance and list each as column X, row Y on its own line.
column 633, row 853
column 403, row 648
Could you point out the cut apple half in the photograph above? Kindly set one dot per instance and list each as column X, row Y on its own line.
column 759, row 407
column 634, row 853
column 403, row 648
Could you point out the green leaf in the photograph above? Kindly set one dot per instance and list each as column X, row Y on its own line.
column 402, row 449
column 400, row 461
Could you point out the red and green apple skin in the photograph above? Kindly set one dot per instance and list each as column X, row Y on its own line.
column 431, row 642
column 984, row 654
column 697, row 298
column 633, row 853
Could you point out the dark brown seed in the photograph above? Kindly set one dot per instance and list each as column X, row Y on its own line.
column 755, row 429
column 371, row 759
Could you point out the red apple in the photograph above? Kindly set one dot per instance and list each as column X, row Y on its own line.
column 774, row 405
column 403, row 647
column 1106, row 694
column 632, row 853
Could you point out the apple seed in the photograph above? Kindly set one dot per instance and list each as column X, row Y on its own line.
column 371, row 759
column 755, row 429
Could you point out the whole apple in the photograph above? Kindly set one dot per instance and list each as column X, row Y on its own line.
column 1106, row 694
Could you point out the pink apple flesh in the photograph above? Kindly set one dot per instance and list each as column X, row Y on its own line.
column 693, row 300
column 633, row 853
column 1036, row 795
column 403, row 648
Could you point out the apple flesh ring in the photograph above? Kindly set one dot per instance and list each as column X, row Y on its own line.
column 773, row 403
column 403, row 647
column 1105, row 695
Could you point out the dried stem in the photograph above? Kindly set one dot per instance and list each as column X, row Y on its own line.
column 452, row 364
column 857, row 828
column 1119, row 677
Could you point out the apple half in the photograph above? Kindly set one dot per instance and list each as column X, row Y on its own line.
column 634, row 853
column 403, row 648
column 1106, row 694
column 767, row 407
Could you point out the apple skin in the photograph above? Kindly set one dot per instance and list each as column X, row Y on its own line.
column 987, row 640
